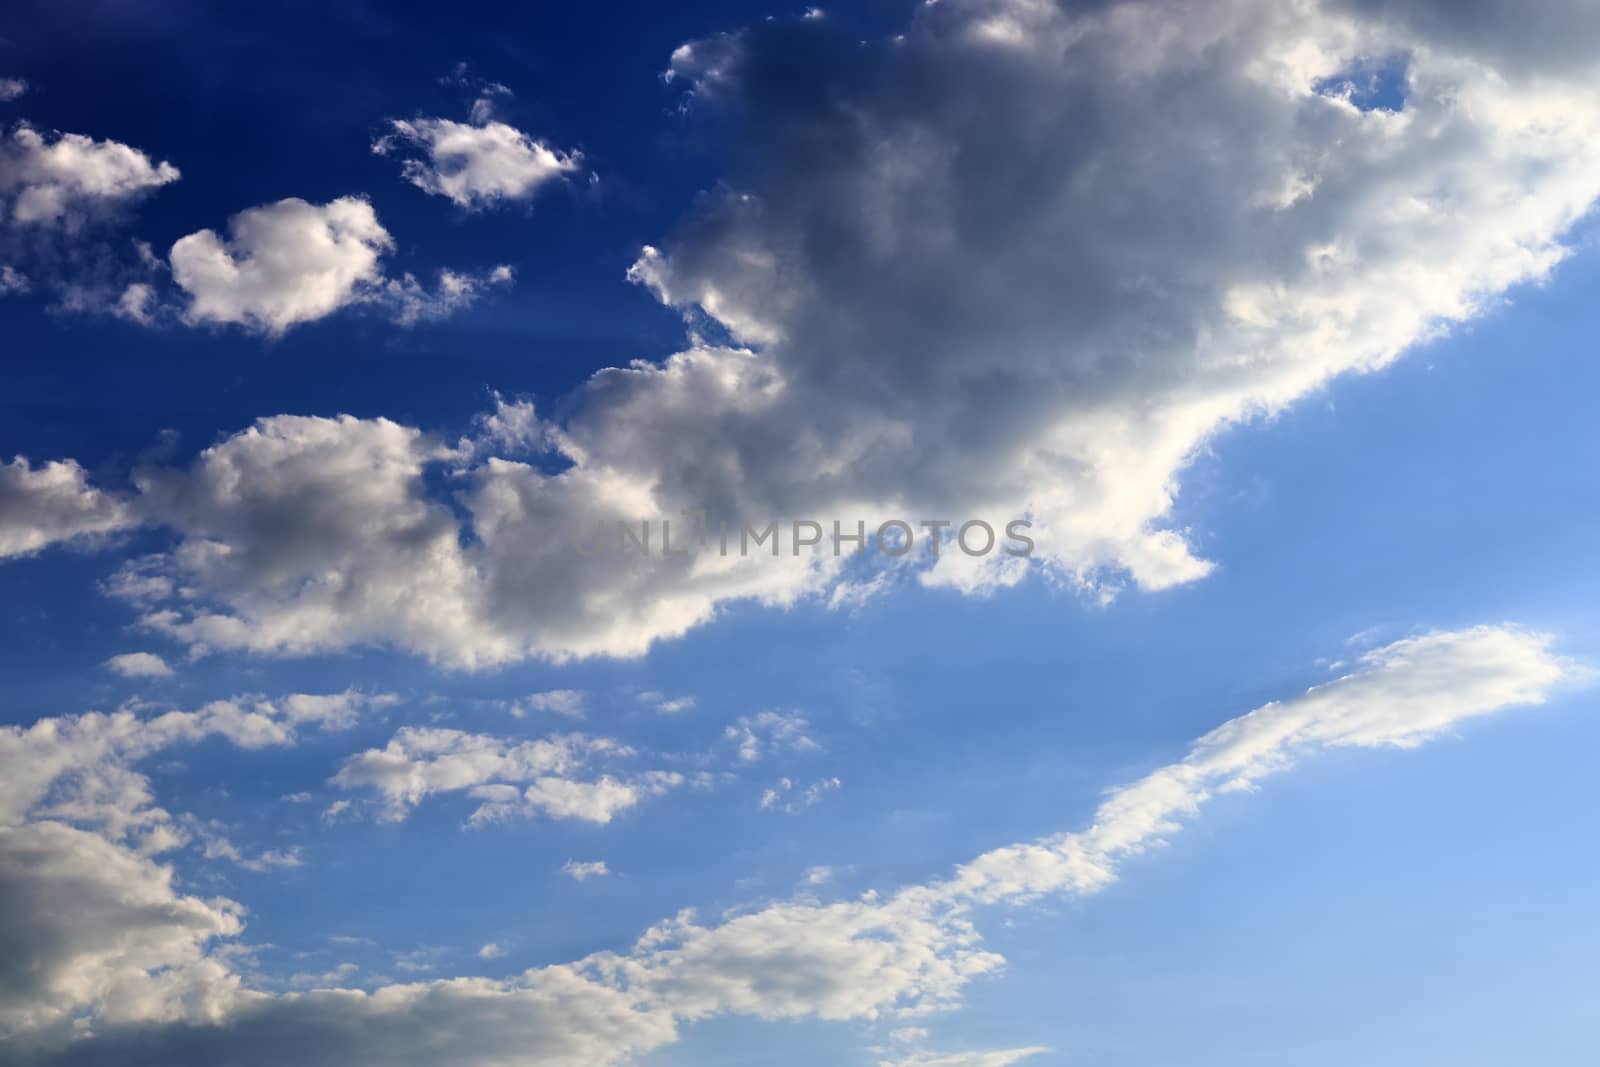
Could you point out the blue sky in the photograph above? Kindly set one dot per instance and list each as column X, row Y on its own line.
column 1303, row 422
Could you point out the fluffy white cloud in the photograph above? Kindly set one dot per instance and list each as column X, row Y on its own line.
column 155, row 995
column 1039, row 310
column 139, row 665
column 79, row 767
column 53, row 502
column 12, row 89
column 88, row 919
column 476, row 165
column 291, row 262
column 86, row 922
column 282, row 263
column 59, row 178
column 421, row 761
column 309, row 533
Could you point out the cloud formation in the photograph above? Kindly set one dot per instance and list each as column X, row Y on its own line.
column 282, row 263
column 291, row 262
column 509, row 778
column 155, row 994
column 139, row 665
column 89, row 918
column 478, row 165
column 51, row 503
column 60, row 178
column 1023, row 260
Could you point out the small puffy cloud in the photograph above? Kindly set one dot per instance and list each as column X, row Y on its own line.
column 291, row 262
column 13, row 280
column 583, row 871
column 333, row 711
column 507, row 778
column 49, row 179
column 136, row 304
column 282, row 263
column 476, row 165
column 597, row 801
column 139, row 665
column 51, row 503
column 491, row 951
column 12, row 89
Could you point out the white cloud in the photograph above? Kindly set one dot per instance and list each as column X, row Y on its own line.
column 89, row 923
column 818, row 876
column 478, row 165
column 88, row 918
column 507, row 778
column 664, row 704
column 768, row 732
column 282, row 263
column 789, row 797
column 454, row 292
column 585, row 870
column 140, row 665
column 79, row 767
column 13, row 280
column 51, row 503
column 567, row 702
column 12, row 89
column 1398, row 696
column 135, row 958
column 214, row 844
column 992, row 1058
column 491, row 951
column 60, row 178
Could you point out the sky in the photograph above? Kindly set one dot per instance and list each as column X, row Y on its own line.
column 329, row 735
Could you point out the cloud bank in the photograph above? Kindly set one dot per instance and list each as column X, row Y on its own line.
column 1023, row 260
